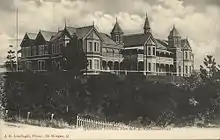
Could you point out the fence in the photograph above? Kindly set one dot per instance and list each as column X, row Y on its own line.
column 94, row 124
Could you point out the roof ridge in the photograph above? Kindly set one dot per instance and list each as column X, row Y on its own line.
column 48, row 31
column 134, row 34
column 85, row 26
column 31, row 33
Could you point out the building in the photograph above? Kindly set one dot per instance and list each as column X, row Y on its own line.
column 117, row 52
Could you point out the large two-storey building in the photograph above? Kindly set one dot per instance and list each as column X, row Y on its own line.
column 117, row 52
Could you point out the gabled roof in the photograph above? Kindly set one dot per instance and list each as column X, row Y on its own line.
column 71, row 30
column 47, row 34
column 107, row 39
column 161, row 44
column 135, row 39
column 58, row 34
column 80, row 32
column 117, row 28
column 31, row 36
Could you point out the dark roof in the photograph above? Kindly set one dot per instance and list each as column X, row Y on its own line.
column 135, row 39
column 107, row 39
column 139, row 40
column 32, row 36
column 80, row 32
column 174, row 32
column 117, row 28
column 161, row 44
column 47, row 34
column 58, row 34
column 71, row 30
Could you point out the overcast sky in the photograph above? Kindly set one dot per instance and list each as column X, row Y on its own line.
column 199, row 20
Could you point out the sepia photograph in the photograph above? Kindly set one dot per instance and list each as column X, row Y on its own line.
column 109, row 69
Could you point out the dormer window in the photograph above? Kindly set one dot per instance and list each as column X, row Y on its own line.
column 117, row 38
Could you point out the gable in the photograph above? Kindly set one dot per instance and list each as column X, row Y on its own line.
column 151, row 41
column 92, row 35
column 40, row 39
column 24, row 40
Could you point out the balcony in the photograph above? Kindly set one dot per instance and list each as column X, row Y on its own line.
column 112, row 57
column 164, row 60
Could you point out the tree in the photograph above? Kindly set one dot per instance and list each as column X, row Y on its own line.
column 74, row 57
column 130, row 61
column 210, row 68
column 210, row 90
column 10, row 63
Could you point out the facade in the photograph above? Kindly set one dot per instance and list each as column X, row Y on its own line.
column 116, row 52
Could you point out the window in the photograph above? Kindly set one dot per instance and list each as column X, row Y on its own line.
column 41, row 65
column 45, row 51
column 61, row 46
column 28, row 65
column 154, row 67
column 34, row 50
column 95, row 47
column 58, row 48
column 53, row 65
column 90, row 49
column 149, row 66
column 190, row 69
column 154, row 51
column 29, row 51
column 90, row 64
column 117, row 38
column 186, row 67
column 96, row 64
column 41, row 49
column 58, row 65
column 186, row 55
column 149, row 50
column 98, row 47
column 179, row 70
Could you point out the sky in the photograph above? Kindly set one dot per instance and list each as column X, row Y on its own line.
column 197, row 20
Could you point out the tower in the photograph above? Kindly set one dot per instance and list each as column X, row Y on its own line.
column 147, row 28
column 117, row 33
column 149, row 49
column 174, row 40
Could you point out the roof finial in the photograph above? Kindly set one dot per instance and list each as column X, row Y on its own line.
column 93, row 23
column 116, row 19
column 147, row 28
